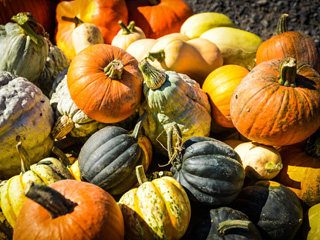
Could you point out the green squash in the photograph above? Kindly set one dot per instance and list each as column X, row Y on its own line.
column 46, row 171
column 272, row 207
column 56, row 62
column 209, row 170
column 26, row 115
column 231, row 224
column 173, row 98
column 109, row 157
column 23, row 50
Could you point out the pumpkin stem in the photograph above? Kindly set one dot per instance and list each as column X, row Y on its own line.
column 114, row 69
column 153, row 77
column 137, row 128
column 49, row 198
column 131, row 26
column 31, row 27
column 126, row 30
column 159, row 55
column 282, row 25
column 25, row 160
column 288, row 72
column 229, row 225
column 312, row 145
column 62, row 157
column 62, row 127
column 272, row 167
column 141, row 176
column 77, row 21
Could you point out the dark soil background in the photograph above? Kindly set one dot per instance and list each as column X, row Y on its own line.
column 260, row 16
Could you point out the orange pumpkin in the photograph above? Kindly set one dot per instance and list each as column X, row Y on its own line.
column 277, row 103
column 104, row 14
column 289, row 43
column 301, row 169
column 158, row 17
column 219, row 85
column 69, row 209
column 105, row 82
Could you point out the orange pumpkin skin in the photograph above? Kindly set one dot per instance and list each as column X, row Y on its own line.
column 104, row 14
column 96, row 216
column 301, row 173
column 219, row 86
column 97, row 95
column 266, row 112
column 158, row 20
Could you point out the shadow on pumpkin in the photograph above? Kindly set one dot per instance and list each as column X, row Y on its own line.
column 304, row 82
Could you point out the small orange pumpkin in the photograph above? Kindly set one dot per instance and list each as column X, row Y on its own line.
column 105, row 83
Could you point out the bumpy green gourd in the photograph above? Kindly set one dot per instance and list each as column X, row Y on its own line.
column 25, row 114
column 23, row 50
column 173, row 98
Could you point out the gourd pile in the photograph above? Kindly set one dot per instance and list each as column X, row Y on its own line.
column 142, row 120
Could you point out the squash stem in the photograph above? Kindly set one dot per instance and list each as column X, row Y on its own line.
column 159, row 55
column 141, row 176
column 62, row 157
column 53, row 201
column 62, row 127
column 282, row 25
column 288, row 72
column 28, row 23
column 25, row 160
column 125, row 30
column 131, row 26
column 229, row 225
column 114, row 69
column 154, row 78
column 77, row 21
column 137, row 128
column 272, row 167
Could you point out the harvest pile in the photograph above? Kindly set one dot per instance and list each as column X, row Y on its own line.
column 145, row 120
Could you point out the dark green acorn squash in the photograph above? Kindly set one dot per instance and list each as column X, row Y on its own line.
column 109, row 157
column 23, row 48
column 209, row 170
column 272, row 207
column 231, row 224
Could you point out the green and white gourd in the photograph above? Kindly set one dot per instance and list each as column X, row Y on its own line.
column 26, row 115
column 23, row 50
column 173, row 98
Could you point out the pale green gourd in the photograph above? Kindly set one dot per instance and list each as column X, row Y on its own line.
column 23, row 50
column 25, row 114
column 172, row 98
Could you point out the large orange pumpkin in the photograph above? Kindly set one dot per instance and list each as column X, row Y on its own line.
column 277, row 103
column 105, row 82
column 219, row 85
column 104, row 14
column 158, row 17
column 289, row 43
column 301, row 169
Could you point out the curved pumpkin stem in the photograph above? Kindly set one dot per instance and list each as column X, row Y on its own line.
column 272, row 167
column 77, row 21
column 153, row 77
column 288, row 72
column 114, row 69
column 137, row 128
column 53, row 201
column 61, row 155
column 62, row 127
column 127, row 29
column 29, row 24
column 24, row 156
column 141, row 176
column 159, row 55
column 282, row 25
column 229, row 225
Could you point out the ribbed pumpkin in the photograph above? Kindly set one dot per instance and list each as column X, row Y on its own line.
column 76, row 210
column 109, row 157
column 158, row 17
column 104, row 14
column 219, row 85
column 209, row 170
column 289, row 43
column 277, row 103
column 157, row 209
column 301, row 169
column 105, row 82
column 46, row 171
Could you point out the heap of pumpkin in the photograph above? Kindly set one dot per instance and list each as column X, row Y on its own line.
column 141, row 125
